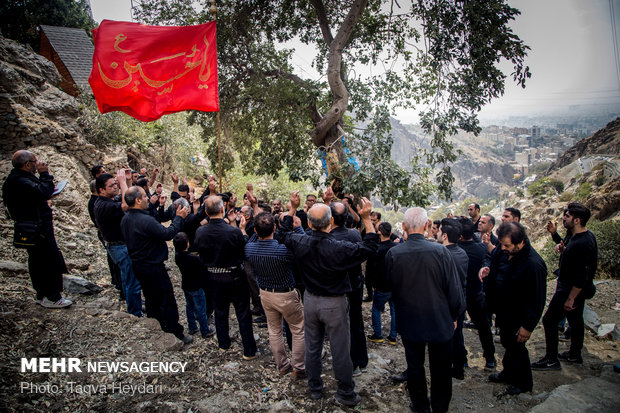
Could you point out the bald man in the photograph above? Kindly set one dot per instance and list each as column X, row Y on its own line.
column 25, row 196
column 324, row 262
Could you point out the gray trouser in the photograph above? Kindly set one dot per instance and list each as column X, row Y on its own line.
column 328, row 315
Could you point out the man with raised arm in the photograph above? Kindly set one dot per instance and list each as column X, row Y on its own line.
column 324, row 263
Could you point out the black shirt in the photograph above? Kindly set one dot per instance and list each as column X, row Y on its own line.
column 191, row 270
column 108, row 215
column 476, row 252
column 375, row 267
column 520, row 298
column 146, row 238
column 325, row 261
column 91, row 208
column 426, row 290
column 25, row 195
column 579, row 260
column 220, row 244
column 461, row 261
column 345, row 234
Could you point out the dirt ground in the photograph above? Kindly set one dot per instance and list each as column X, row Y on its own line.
column 96, row 329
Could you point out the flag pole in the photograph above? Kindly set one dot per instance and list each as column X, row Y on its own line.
column 213, row 11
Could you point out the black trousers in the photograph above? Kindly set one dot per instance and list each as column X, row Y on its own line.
column 440, row 363
column 46, row 265
column 459, row 353
column 236, row 292
column 476, row 307
column 516, row 361
column 254, row 290
column 359, row 351
column 555, row 313
column 159, row 296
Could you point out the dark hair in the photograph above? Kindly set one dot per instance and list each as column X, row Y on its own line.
column 142, row 182
column 385, row 228
column 265, row 207
column 93, row 186
column 377, row 214
column 452, row 228
column 180, row 241
column 263, row 224
column 340, row 218
column 514, row 230
column 132, row 194
column 578, row 210
column 312, row 195
column 101, row 181
column 514, row 212
column 95, row 170
column 476, row 206
column 491, row 218
column 183, row 188
column 467, row 228
column 437, row 222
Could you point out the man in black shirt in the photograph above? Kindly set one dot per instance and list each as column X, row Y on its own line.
column 146, row 242
column 324, row 262
column 428, row 299
column 578, row 264
column 474, row 295
column 109, row 211
column 25, row 196
column 474, row 213
column 359, row 351
column 516, row 292
column 448, row 235
column 485, row 228
column 221, row 248
column 115, row 272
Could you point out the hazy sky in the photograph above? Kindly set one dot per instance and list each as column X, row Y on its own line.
column 572, row 57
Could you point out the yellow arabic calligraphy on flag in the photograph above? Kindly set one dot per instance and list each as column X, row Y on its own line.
column 150, row 71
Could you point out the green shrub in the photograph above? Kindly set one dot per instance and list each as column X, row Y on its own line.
column 545, row 186
column 567, row 196
column 583, row 192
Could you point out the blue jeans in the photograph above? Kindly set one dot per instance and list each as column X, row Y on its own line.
column 196, row 309
column 131, row 286
column 379, row 299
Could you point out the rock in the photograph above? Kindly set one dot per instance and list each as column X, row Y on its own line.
column 605, row 330
column 231, row 365
column 12, row 266
column 78, row 285
column 593, row 394
column 591, row 319
column 282, row 406
column 380, row 361
column 166, row 342
column 151, row 323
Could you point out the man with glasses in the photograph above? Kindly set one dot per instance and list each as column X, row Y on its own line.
column 25, row 196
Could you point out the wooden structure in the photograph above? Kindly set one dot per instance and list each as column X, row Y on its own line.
column 71, row 51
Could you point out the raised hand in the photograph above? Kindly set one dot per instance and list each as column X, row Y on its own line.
column 182, row 211
column 174, row 177
column 552, row 227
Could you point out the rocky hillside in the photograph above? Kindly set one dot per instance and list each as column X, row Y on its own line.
column 476, row 173
column 604, row 142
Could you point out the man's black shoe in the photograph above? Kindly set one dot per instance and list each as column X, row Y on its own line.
column 469, row 324
column 546, row 364
column 514, row 390
column 350, row 402
column 490, row 364
column 256, row 311
column 400, row 378
column 187, row 339
column 566, row 356
column 497, row 377
column 260, row 320
column 414, row 410
column 316, row 395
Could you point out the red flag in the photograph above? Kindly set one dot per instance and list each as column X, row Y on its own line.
column 150, row 71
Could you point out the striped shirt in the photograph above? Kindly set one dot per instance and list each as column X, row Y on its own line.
column 271, row 262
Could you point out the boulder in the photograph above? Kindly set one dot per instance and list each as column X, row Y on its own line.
column 12, row 266
column 78, row 285
column 591, row 319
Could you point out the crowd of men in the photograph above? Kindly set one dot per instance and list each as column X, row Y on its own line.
column 302, row 270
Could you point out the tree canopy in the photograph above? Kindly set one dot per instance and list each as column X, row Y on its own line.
column 441, row 56
column 20, row 18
